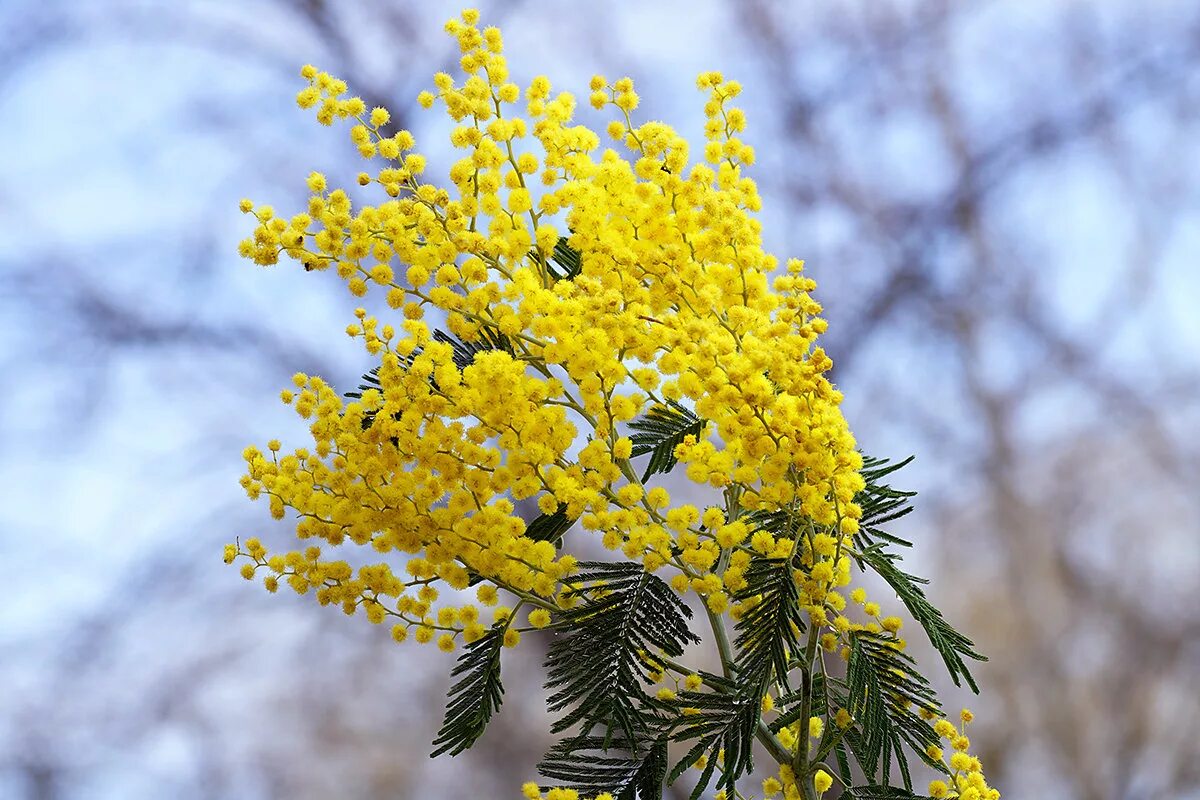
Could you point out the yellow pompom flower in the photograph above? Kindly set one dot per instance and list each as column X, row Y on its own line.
column 822, row 780
column 586, row 288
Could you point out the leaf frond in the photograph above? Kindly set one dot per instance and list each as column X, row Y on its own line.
column 768, row 633
column 722, row 722
column 885, row 697
column 568, row 260
column 880, row 503
column 597, row 669
column 475, row 697
column 950, row 643
column 592, row 765
column 660, row 431
column 550, row 527
column 882, row 793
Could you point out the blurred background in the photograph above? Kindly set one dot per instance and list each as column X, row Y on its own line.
column 999, row 200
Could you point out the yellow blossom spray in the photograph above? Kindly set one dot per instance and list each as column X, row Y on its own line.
column 609, row 315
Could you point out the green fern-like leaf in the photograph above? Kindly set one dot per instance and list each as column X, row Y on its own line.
column 950, row 644
column 842, row 763
column 465, row 352
column 885, row 696
column 474, row 698
column 881, row 503
column 568, row 260
column 596, row 664
column 722, row 720
column 881, row 793
column 368, row 381
column 594, row 764
column 727, row 716
column 565, row 262
column 596, row 671
column 768, row 632
column 660, row 431
column 550, row 527
column 777, row 523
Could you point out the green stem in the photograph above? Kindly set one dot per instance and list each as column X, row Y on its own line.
column 801, row 766
column 762, row 732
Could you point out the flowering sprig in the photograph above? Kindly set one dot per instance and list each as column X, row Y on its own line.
column 600, row 306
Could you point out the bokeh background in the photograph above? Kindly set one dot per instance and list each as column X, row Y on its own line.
column 1000, row 201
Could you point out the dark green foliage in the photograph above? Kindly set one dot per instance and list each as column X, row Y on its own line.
column 729, row 711
column 474, row 698
column 885, row 695
column 595, row 664
column 465, row 352
column 768, row 633
column 625, row 621
column 791, row 706
column 660, row 431
column 594, row 764
column 951, row 644
column 596, row 667
column 567, row 259
column 843, row 763
column 727, row 719
column 550, row 527
column 881, row 793
column 565, row 262
column 777, row 523
column 367, row 382
column 880, row 503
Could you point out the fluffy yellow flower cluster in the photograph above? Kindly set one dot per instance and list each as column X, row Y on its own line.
column 673, row 301
column 584, row 289
column 966, row 779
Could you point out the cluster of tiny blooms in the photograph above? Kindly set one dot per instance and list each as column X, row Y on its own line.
column 966, row 779
column 676, row 300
